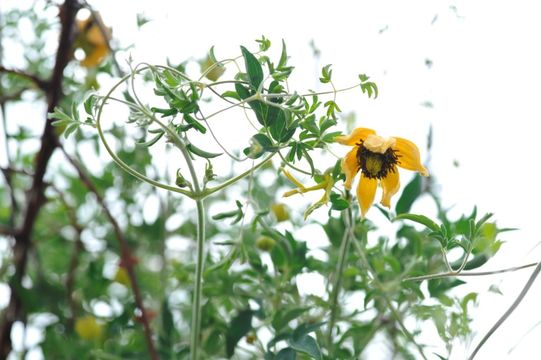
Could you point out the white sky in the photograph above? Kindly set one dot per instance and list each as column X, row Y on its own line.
column 484, row 84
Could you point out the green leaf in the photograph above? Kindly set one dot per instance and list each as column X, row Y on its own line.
column 338, row 202
column 253, row 68
column 205, row 154
column 283, row 317
column 409, row 195
column 421, row 219
column 307, row 328
column 368, row 86
column 168, row 327
column 89, row 104
column 62, row 117
column 152, row 141
column 306, row 344
column 232, row 95
column 326, row 74
column 240, row 326
column 264, row 43
column 286, row 354
column 283, row 56
column 195, row 123
column 279, row 126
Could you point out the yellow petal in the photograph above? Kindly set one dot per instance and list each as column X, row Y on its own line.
column 350, row 167
column 366, row 191
column 409, row 157
column 390, row 185
column 355, row 137
column 95, row 56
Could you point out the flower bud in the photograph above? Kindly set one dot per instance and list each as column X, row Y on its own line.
column 265, row 243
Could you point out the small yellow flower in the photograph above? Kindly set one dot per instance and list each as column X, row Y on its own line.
column 326, row 185
column 377, row 158
column 88, row 328
column 92, row 40
column 280, row 212
column 211, row 69
column 122, row 277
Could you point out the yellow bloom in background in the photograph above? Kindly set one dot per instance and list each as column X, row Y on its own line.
column 377, row 158
column 280, row 212
column 88, row 328
column 122, row 277
column 93, row 40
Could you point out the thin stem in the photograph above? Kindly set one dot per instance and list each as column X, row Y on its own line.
column 248, row 99
column 344, row 246
column 196, row 306
column 199, row 264
column 113, row 155
column 388, row 303
column 470, row 273
column 334, row 92
column 509, row 311
column 233, row 180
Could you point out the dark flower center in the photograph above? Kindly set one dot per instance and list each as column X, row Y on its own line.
column 375, row 165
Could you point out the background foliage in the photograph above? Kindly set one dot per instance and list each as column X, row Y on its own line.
column 95, row 274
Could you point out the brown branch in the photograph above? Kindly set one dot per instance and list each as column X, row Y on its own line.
column 6, row 231
column 74, row 260
column 40, row 83
column 36, row 196
column 127, row 259
column 13, row 96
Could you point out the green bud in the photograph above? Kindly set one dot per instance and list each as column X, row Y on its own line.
column 265, row 243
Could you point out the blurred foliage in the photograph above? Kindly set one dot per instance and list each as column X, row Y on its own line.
column 254, row 282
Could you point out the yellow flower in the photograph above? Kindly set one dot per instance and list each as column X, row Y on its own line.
column 280, row 212
column 122, row 277
column 326, row 185
column 88, row 328
column 93, row 40
column 377, row 158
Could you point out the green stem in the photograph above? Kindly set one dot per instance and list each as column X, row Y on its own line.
column 396, row 315
column 233, row 180
column 469, row 273
column 344, row 246
column 113, row 155
column 198, row 286
column 199, row 262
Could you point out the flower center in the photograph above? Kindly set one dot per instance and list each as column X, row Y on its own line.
column 375, row 156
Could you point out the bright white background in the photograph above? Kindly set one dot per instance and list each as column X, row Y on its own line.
column 484, row 84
